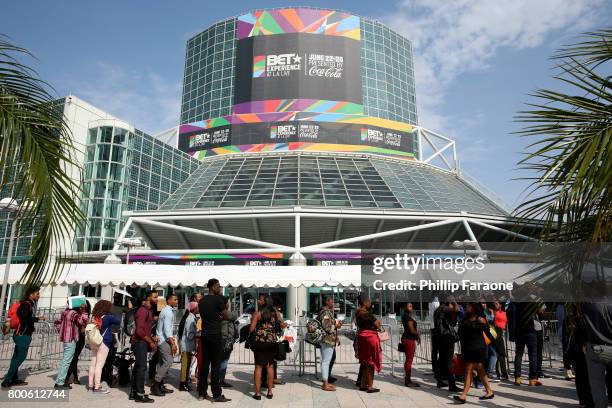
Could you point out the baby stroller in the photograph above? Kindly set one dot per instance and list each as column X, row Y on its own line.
column 123, row 362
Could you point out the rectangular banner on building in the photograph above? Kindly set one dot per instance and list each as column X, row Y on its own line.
column 297, row 131
column 298, row 66
column 292, row 55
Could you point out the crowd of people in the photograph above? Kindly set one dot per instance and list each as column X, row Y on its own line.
column 208, row 331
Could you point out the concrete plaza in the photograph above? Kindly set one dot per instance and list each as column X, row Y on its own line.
column 305, row 391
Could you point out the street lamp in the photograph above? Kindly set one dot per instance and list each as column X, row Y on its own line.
column 130, row 243
column 464, row 245
column 11, row 205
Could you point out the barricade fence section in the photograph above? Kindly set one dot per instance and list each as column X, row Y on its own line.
column 46, row 350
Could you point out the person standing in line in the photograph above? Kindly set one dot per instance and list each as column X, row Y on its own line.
column 212, row 310
column 166, row 346
column 73, row 370
column 597, row 319
column 264, row 346
column 489, row 315
column 142, row 343
column 500, row 323
column 368, row 345
column 328, row 345
column 524, row 334
column 539, row 330
column 70, row 324
column 117, row 310
column 155, row 308
column 23, row 336
column 410, row 339
column 435, row 352
column 446, row 317
column 573, row 338
column 102, row 318
column 228, row 334
column 474, row 350
column 187, row 332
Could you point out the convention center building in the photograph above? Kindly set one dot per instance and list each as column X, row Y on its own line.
column 298, row 148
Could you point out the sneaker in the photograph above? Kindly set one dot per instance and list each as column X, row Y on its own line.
column 535, row 383
column 569, row 375
column 517, row 380
column 101, row 390
column 5, row 385
column 17, row 383
column 221, row 398
column 62, row 386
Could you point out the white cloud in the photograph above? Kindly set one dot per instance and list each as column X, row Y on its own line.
column 141, row 98
column 451, row 38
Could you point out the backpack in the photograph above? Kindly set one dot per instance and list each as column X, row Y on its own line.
column 12, row 320
column 129, row 322
column 314, row 332
column 12, row 315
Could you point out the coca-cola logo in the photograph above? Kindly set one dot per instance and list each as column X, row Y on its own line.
column 325, row 72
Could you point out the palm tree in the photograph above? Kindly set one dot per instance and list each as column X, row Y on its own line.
column 572, row 153
column 571, row 158
column 35, row 155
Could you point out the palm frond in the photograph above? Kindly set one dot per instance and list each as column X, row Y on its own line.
column 572, row 152
column 594, row 49
column 36, row 154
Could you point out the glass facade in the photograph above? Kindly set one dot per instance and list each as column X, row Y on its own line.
column 26, row 230
column 208, row 84
column 387, row 73
column 326, row 180
column 386, row 70
column 125, row 170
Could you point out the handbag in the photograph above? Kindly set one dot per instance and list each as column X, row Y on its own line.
column 383, row 336
column 458, row 365
column 487, row 340
column 281, row 352
column 401, row 347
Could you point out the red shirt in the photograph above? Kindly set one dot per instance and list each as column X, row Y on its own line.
column 501, row 320
column 143, row 318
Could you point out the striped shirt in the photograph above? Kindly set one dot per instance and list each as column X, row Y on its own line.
column 70, row 325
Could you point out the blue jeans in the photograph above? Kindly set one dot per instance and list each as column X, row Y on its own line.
column 22, row 344
column 530, row 340
column 69, row 349
column 224, row 364
column 491, row 360
column 327, row 352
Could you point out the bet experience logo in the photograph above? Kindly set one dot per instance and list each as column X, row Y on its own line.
column 276, row 65
column 281, row 65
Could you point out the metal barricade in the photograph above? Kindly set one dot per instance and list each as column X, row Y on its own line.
column 46, row 350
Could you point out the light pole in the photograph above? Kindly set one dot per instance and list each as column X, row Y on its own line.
column 464, row 245
column 130, row 243
column 10, row 205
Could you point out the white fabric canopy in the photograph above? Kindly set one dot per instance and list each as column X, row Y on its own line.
column 175, row 275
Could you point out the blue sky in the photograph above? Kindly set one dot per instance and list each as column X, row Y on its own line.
column 475, row 61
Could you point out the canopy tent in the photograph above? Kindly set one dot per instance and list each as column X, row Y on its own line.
column 187, row 275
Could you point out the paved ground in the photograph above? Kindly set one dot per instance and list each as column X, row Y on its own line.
column 305, row 392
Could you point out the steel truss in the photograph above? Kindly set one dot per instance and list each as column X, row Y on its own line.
column 424, row 221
